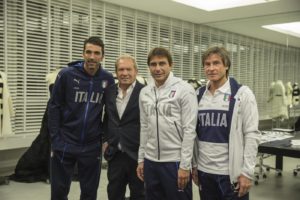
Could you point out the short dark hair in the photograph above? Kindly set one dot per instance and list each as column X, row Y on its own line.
column 222, row 52
column 95, row 41
column 160, row 52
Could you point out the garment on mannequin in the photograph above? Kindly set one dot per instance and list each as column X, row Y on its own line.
column 278, row 101
column 6, row 107
column 296, row 94
column 196, row 84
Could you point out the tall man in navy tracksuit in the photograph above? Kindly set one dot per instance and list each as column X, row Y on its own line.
column 75, row 124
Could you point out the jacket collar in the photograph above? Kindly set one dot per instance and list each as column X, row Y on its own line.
column 171, row 80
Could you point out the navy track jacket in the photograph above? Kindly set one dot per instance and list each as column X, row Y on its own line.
column 75, row 108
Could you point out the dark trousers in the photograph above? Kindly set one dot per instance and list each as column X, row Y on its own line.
column 62, row 167
column 161, row 182
column 122, row 171
column 217, row 187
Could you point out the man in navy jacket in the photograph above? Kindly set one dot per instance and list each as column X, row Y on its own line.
column 122, row 131
column 75, row 124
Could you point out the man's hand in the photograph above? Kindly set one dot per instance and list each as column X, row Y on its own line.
column 244, row 185
column 195, row 175
column 183, row 178
column 140, row 171
column 104, row 146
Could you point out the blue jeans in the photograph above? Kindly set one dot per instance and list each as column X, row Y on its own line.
column 217, row 187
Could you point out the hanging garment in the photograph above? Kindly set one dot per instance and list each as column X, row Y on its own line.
column 51, row 77
column 271, row 92
column 297, row 124
column 33, row 166
column 141, row 79
column 289, row 94
column 6, row 107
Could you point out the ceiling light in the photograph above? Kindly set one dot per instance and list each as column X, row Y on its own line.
column 292, row 28
column 211, row 5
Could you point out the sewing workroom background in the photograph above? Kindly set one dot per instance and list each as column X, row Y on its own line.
column 38, row 38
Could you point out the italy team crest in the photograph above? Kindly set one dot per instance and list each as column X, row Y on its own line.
column 227, row 97
column 172, row 93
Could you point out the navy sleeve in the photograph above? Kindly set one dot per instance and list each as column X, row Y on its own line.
column 110, row 81
column 55, row 105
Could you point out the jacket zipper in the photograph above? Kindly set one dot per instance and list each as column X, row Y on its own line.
column 239, row 105
column 178, row 131
column 86, row 112
column 157, row 128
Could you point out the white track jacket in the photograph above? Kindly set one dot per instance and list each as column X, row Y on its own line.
column 244, row 135
column 168, row 116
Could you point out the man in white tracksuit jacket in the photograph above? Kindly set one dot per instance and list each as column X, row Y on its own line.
column 168, row 115
column 227, row 130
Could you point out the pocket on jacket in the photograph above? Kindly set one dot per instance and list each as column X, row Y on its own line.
column 177, row 130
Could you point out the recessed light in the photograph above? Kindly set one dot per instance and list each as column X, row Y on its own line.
column 291, row 28
column 211, row 5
